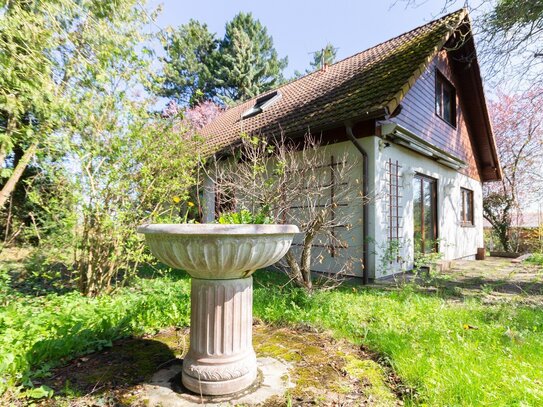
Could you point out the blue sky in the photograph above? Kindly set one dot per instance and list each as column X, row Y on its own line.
column 301, row 27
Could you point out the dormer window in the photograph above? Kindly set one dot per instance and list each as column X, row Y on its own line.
column 261, row 104
column 445, row 99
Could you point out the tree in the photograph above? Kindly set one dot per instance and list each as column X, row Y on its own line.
column 518, row 127
column 509, row 34
column 198, row 67
column 512, row 34
column 292, row 182
column 127, row 162
column 48, row 49
column 195, row 117
column 248, row 63
column 27, row 89
column 188, row 69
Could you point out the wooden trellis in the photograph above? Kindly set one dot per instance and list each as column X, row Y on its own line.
column 393, row 206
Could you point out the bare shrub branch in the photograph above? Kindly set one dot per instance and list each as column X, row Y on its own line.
column 298, row 182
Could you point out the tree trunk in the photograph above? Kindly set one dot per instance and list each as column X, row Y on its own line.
column 295, row 271
column 11, row 183
column 306, row 261
column 503, row 235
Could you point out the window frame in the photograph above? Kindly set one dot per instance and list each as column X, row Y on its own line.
column 467, row 217
column 441, row 83
column 433, row 182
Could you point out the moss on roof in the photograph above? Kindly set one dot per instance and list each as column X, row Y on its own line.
column 373, row 80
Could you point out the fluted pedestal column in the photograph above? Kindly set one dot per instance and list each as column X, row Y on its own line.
column 221, row 358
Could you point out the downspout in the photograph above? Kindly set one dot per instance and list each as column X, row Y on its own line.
column 365, row 206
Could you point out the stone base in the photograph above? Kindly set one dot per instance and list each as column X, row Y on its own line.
column 221, row 358
column 164, row 389
column 215, row 388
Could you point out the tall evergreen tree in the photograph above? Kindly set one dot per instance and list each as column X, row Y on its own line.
column 248, row 63
column 187, row 71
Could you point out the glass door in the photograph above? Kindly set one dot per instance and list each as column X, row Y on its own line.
column 425, row 214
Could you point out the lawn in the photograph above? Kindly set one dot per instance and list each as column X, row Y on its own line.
column 448, row 348
column 536, row 258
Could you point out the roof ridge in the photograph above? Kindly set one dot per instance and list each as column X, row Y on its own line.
column 460, row 11
column 463, row 9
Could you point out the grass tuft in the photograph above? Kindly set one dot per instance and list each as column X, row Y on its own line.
column 536, row 258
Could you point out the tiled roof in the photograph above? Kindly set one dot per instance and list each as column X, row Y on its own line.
column 351, row 89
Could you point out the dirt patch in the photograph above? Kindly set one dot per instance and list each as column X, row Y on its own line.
column 325, row 371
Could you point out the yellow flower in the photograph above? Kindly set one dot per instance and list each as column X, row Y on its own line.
column 176, row 199
column 190, row 204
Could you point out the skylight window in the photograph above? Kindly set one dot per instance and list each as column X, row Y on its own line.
column 261, row 104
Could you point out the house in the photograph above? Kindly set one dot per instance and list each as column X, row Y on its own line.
column 413, row 110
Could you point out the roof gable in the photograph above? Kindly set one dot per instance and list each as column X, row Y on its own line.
column 369, row 83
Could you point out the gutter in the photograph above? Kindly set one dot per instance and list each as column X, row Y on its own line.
column 365, row 193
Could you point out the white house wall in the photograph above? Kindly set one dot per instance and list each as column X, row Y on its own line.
column 455, row 241
column 347, row 260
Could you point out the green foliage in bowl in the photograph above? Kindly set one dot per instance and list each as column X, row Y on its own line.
column 246, row 217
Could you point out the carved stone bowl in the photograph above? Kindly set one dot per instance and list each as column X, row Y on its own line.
column 218, row 252
column 220, row 259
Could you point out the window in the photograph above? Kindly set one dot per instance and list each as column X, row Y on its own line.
column 425, row 214
column 466, row 212
column 445, row 100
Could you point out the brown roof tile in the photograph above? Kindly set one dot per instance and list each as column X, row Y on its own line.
column 365, row 83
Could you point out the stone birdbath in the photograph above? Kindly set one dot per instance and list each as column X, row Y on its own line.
column 220, row 259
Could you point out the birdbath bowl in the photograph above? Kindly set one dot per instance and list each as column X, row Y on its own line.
column 220, row 259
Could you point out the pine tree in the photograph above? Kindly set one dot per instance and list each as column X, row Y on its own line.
column 187, row 71
column 248, row 63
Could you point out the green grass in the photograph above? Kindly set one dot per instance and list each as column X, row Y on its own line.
column 451, row 353
column 424, row 338
column 536, row 258
column 37, row 333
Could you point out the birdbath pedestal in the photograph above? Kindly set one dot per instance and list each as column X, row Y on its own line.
column 220, row 259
